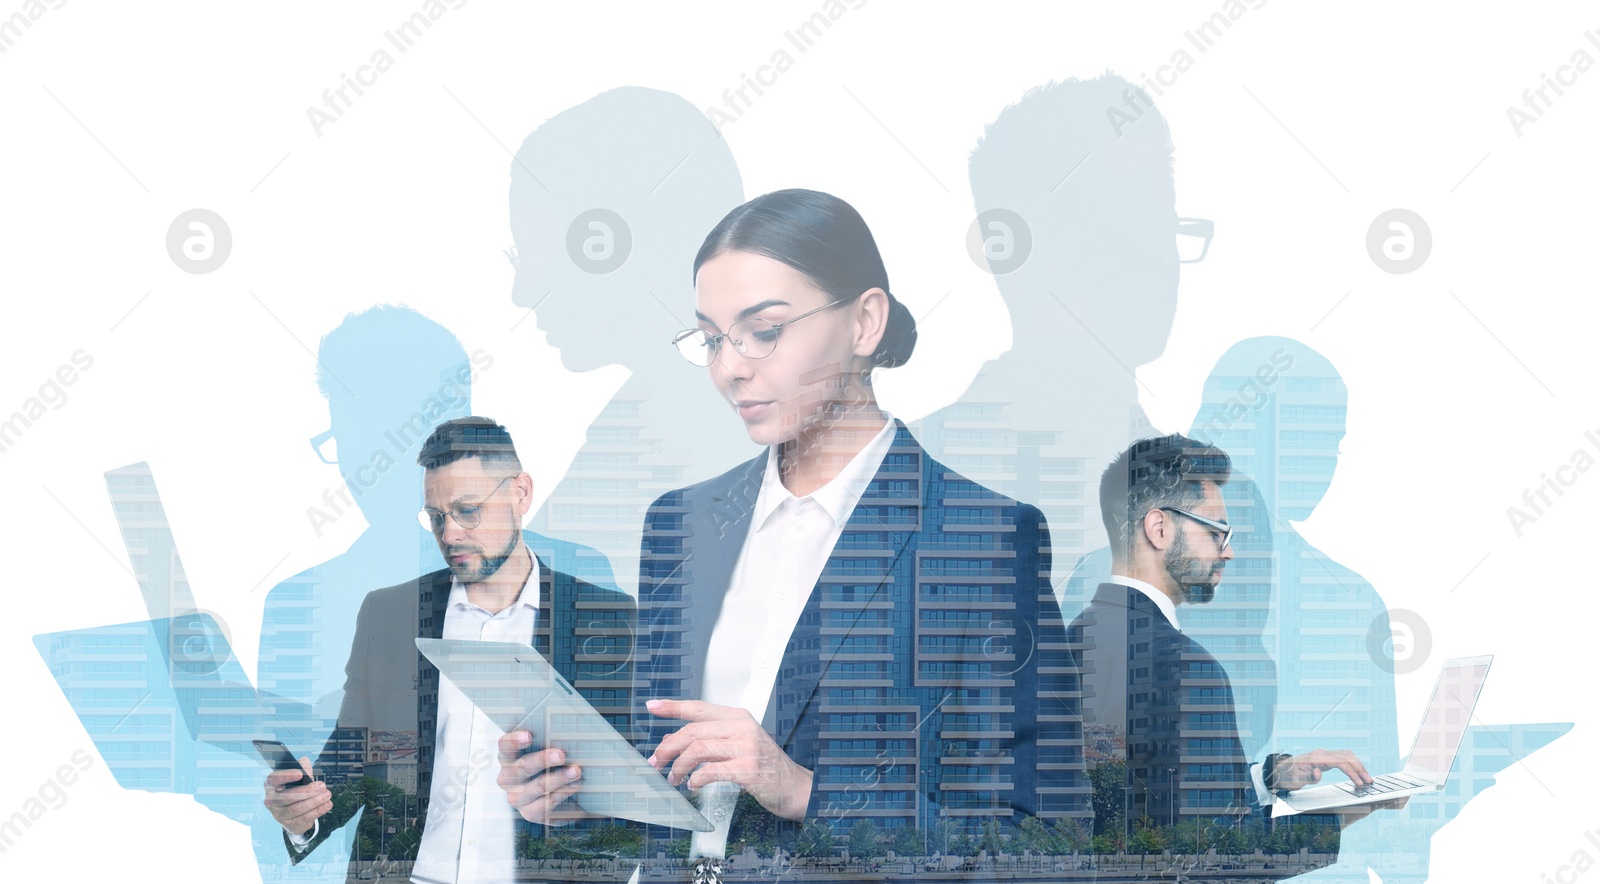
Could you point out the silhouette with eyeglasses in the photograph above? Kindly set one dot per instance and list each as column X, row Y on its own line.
column 389, row 375
column 1079, row 228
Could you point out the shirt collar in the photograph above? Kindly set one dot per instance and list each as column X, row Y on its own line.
column 841, row 494
column 530, row 589
column 1162, row 600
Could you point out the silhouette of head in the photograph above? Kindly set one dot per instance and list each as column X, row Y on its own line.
column 1096, row 193
column 389, row 374
column 607, row 200
column 1269, row 399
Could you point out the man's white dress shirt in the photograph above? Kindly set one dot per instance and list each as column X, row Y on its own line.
column 470, row 834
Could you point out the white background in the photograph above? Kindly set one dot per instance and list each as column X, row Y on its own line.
column 1468, row 378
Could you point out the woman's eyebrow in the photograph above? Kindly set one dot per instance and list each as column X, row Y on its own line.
column 747, row 312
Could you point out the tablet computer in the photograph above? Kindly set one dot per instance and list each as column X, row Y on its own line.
column 518, row 689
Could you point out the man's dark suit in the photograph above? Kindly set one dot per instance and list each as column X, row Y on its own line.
column 1157, row 701
column 584, row 630
column 927, row 679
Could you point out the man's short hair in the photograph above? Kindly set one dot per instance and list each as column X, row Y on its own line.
column 1152, row 473
column 465, row 437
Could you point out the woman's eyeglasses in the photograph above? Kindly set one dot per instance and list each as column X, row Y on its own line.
column 753, row 338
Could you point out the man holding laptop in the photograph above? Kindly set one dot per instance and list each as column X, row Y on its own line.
column 494, row 589
column 1155, row 700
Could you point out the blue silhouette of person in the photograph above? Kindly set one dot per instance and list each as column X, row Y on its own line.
column 1282, row 406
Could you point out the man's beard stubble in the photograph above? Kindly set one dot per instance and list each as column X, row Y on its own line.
column 489, row 566
column 1193, row 574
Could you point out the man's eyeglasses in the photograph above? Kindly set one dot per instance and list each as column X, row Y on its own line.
column 467, row 515
column 326, row 445
column 1221, row 532
column 753, row 338
column 1194, row 239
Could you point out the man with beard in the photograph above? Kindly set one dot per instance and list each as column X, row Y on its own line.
column 495, row 589
column 1161, row 738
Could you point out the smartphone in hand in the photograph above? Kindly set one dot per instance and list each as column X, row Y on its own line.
column 279, row 756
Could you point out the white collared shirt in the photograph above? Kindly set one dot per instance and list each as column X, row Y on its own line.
column 1162, row 600
column 789, row 542
column 470, row 833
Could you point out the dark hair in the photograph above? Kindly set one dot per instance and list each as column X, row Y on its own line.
column 1152, row 473
column 824, row 238
column 466, row 437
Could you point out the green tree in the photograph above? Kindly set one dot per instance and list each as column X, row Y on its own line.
column 864, row 840
column 565, row 844
column 1327, row 840
column 943, row 831
column 816, row 839
column 907, row 841
column 1146, row 838
column 1108, row 779
column 1070, row 835
column 677, row 848
column 1185, row 835
column 753, row 826
column 1230, row 840
column 531, row 846
column 372, row 835
column 991, row 840
column 614, row 839
column 1034, row 836
column 964, row 845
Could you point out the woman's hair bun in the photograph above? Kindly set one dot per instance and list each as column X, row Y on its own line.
column 899, row 337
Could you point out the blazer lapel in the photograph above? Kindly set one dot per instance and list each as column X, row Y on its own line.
column 433, row 598
column 882, row 511
column 544, row 623
column 716, row 535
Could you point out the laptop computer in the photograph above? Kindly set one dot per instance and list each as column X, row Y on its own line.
column 180, row 658
column 1433, row 753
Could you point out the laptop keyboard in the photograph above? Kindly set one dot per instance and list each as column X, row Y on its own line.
column 1387, row 783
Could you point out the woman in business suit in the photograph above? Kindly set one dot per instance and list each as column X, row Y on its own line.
column 841, row 627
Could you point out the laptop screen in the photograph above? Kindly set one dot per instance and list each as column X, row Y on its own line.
column 1448, row 714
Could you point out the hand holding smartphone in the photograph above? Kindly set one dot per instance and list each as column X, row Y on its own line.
column 279, row 756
